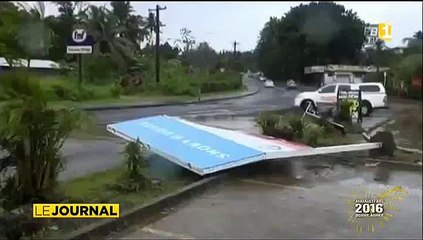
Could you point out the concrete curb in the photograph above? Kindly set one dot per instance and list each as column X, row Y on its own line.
column 403, row 149
column 409, row 150
column 221, row 116
column 207, row 117
column 394, row 162
column 380, row 124
column 253, row 113
column 100, row 108
column 146, row 213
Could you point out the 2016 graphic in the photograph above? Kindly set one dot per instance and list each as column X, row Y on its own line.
column 368, row 210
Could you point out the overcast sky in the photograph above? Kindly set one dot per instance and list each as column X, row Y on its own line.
column 221, row 23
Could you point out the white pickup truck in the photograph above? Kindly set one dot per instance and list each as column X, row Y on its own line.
column 372, row 94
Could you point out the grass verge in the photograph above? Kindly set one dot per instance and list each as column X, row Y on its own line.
column 95, row 188
column 142, row 99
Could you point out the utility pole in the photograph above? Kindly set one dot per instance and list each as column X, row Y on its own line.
column 235, row 43
column 157, row 30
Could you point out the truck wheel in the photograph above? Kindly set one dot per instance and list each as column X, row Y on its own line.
column 305, row 103
column 366, row 109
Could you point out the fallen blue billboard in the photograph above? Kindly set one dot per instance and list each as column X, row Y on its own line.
column 205, row 149
column 187, row 146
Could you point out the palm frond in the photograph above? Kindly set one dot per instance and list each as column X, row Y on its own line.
column 24, row 6
column 40, row 7
column 117, row 56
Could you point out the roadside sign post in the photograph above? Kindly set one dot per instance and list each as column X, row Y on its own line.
column 353, row 96
column 80, row 43
column 384, row 79
column 80, row 69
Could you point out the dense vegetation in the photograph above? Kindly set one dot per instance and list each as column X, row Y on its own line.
column 119, row 65
column 323, row 33
column 32, row 132
column 313, row 34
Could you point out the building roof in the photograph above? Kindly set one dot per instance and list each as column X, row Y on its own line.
column 35, row 63
column 342, row 68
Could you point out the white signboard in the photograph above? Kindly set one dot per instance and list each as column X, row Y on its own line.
column 79, row 49
column 80, row 43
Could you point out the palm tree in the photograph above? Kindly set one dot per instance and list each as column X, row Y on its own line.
column 415, row 40
column 418, row 35
column 32, row 135
column 104, row 26
column 135, row 25
column 151, row 26
column 122, row 10
column 34, row 36
column 136, row 29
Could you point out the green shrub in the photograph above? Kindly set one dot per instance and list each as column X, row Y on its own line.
column 178, row 83
column 219, row 81
column 64, row 93
column 175, row 80
column 283, row 130
column 296, row 125
column 73, row 94
column 15, row 83
column 134, row 158
column 99, row 69
column 21, row 225
column 344, row 113
column 291, row 127
column 85, row 94
column 134, row 179
column 116, row 91
column 33, row 135
column 219, row 86
column 312, row 133
column 267, row 119
column 275, row 126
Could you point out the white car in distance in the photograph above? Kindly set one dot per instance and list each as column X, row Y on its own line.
column 373, row 96
column 269, row 83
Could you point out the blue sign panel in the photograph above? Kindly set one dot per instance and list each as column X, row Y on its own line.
column 80, row 37
column 192, row 147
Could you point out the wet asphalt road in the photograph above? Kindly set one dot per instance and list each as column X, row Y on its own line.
column 296, row 198
column 82, row 157
column 266, row 99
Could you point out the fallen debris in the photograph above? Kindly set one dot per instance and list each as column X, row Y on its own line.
column 371, row 164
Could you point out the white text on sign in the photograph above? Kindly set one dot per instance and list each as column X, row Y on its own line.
column 79, row 49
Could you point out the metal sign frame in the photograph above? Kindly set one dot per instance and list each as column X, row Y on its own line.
column 130, row 134
column 350, row 95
